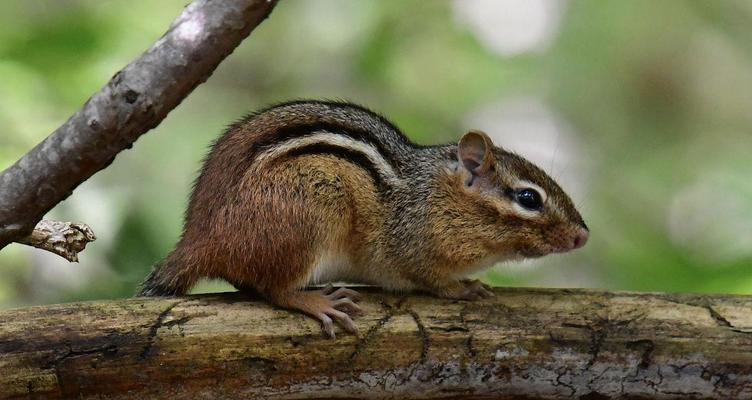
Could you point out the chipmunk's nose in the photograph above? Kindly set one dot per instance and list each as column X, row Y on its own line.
column 580, row 238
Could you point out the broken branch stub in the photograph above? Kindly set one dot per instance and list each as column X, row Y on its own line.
column 65, row 239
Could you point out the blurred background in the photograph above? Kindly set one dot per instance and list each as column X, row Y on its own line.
column 640, row 109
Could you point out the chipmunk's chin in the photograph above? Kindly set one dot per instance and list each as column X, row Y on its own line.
column 538, row 253
column 528, row 255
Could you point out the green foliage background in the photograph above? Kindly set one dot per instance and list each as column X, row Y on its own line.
column 656, row 97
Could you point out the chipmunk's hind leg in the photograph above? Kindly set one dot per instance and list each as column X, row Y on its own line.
column 326, row 305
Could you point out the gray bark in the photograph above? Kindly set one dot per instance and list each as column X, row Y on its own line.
column 135, row 100
column 522, row 343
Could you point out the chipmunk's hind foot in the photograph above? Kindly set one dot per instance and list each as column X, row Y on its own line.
column 328, row 306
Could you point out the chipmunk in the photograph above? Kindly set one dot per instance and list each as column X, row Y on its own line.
column 309, row 192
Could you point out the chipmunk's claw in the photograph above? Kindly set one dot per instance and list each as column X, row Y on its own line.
column 477, row 289
column 335, row 294
column 337, row 305
column 329, row 306
column 465, row 289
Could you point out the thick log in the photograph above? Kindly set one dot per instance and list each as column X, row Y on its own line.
column 522, row 343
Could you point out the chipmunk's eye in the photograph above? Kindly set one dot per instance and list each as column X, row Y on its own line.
column 529, row 198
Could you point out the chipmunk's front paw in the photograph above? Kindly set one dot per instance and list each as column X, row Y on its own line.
column 476, row 289
column 466, row 289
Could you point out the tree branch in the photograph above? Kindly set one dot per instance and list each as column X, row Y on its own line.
column 523, row 343
column 135, row 100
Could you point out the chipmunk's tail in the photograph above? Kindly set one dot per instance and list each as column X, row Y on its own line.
column 168, row 278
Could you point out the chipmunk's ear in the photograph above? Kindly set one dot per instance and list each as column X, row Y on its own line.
column 475, row 153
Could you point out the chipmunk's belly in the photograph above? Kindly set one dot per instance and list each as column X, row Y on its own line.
column 482, row 264
column 333, row 266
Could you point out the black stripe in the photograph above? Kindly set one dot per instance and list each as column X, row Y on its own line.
column 340, row 104
column 348, row 155
column 347, row 105
column 298, row 131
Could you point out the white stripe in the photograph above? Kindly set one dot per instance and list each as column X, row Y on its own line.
column 383, row 167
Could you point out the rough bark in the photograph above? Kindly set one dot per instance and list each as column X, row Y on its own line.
column 523, row 343
column 135, row 100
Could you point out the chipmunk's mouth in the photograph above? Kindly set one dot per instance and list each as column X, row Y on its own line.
column 541, row 252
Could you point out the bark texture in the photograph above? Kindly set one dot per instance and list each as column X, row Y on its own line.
column 135, row 100
column 65, row 239
column 523, row 343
